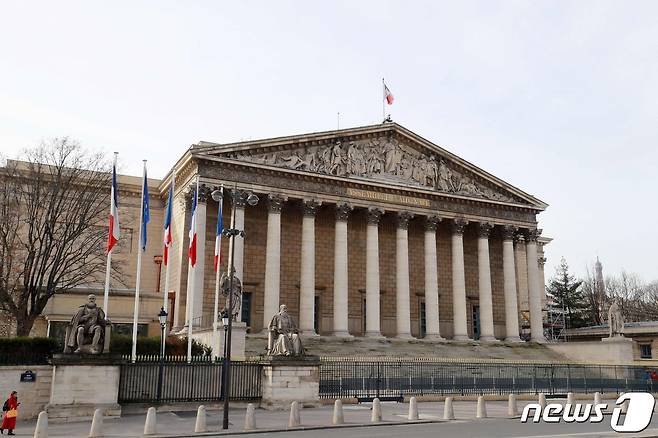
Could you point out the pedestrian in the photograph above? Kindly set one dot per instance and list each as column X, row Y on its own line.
column 10, row 412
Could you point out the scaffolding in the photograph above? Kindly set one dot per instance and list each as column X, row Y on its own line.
column 556, row 317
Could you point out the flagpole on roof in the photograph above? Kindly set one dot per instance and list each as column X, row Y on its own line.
column 108, row 266
column 190, row 297
column 218, row 264
column 143, row 219
column 165, row 298
column 383, row 100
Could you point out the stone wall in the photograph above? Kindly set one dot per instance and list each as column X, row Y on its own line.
column 617, row 351
column 285, row 381
column 33, row 396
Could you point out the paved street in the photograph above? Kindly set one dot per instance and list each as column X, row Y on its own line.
column 181, row 424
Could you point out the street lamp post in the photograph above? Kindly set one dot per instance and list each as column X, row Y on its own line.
column 162, row 317
column 227, row 316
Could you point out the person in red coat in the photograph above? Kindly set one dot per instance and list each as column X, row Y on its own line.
column 10, row 405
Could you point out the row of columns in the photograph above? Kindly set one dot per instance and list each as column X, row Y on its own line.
column 403, row 313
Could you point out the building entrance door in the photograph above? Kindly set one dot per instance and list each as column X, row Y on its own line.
column 476, row 322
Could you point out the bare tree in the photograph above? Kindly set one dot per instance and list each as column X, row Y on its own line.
column 53, row 204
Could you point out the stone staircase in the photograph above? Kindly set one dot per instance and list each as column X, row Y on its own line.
column 367, row 347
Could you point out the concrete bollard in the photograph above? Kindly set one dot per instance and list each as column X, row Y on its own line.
column 448, row 410
column 41, row 431
column 570, row 398
column 338, row 412
column 250, row 417
column 149, row 425
column 542, row 400
column 481, row 408
column 200, row 425
column 597, row 398
column 376, row 415
column 512, row 406
column 294, row 420
column 413, row 409
column 96, row 424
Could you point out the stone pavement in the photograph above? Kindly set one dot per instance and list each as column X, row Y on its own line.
column 181, row 423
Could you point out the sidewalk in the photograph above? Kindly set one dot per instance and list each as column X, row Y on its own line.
column 181, row 424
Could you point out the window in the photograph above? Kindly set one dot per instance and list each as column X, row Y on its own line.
column 422, row 320
column 645, row 351
column 316, row 315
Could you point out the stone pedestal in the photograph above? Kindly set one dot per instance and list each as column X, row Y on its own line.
column 238, row 335
column 617, row 350
column 81, row 384
column 288, row 379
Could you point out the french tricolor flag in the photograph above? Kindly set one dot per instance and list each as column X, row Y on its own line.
column 191, row 251
column 218, row 234
column 114, row 229
column 167, row 226
column 388, row 96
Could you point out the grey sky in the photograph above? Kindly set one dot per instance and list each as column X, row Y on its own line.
column 558, row 98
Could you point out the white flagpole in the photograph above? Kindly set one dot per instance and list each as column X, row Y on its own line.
column 217, row 276
column 190, row 297
column 383, row 99
column 165, row 299
column 139, row 271
column 108, row 266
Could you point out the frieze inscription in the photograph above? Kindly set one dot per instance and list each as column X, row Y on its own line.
column 388, row 197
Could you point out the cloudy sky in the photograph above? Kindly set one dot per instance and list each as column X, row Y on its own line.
column 558, row 98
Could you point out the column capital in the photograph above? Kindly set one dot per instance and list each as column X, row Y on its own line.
column 458, row 225
column 484, row 229
column 343, row 210
column 541, row 261
column 275, row 202
column 238, row 198
column 519, row 237
column 310, row 206
column 509, row 231
column 403, row 218
column 204, row 193
column 533, row 234
column 431, row 222
column 374, row 215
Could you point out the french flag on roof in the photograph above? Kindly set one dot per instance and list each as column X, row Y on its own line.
column 167, row 226
column 114, row 229
column 191, row 251
column 218, row 234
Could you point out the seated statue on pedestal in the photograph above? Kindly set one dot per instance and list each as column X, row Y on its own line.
column 86, row 332
column 283, row 338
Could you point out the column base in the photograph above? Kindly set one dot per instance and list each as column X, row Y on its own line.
column 309, row 333
column 488, row 339
column 513, row 339
column 374, row 335
column 404, row 336
column 342, row 334
column 433, row 338
column 538, row 340
column 462, row 338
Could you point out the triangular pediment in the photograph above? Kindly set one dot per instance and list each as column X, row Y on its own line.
column 383, row 157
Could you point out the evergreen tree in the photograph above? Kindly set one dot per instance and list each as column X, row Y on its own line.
column 569, row 295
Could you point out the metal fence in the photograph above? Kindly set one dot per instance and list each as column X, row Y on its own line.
column 393, row 379
column 179, row 381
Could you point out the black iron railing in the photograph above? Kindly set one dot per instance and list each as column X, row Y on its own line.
column 392, row 379
column 178, row 381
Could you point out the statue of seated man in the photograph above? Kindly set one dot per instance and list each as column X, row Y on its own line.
column 86, row 331
column 283, row 338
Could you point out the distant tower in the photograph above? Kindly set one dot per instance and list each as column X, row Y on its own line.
column 599, row 287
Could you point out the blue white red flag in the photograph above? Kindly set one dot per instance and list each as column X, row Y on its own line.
column 218, row 234
column 191, row 251
column 167, row 226
column 114, row 229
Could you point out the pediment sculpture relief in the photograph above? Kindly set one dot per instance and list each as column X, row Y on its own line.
column 378, row 159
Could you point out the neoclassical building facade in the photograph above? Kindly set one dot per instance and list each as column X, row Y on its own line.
column 370, row 231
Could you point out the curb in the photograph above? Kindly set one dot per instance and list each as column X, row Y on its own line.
column 305, row 428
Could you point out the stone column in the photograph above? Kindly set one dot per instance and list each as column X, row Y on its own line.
column 459, row 281
column 341, row 319
column 373, row 325
column 432, row 331
column 534, row 293
column 509, row 286
column 272, row 258
column 179, row 251
column 484, row 284
column 307, row 271
column 238, row 198
column 403, row 309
